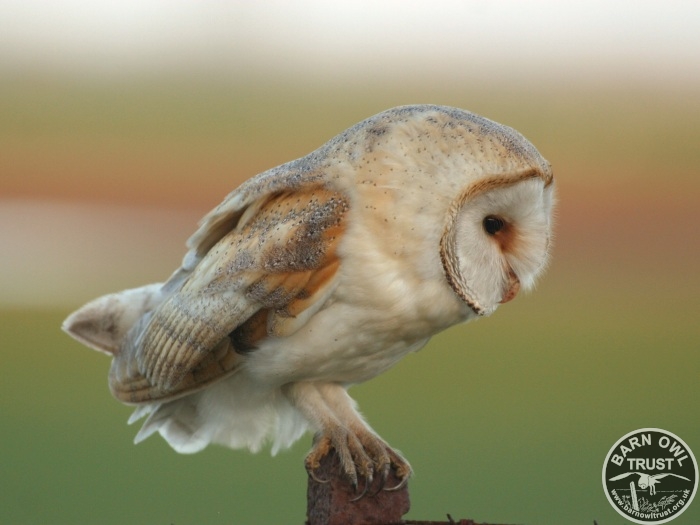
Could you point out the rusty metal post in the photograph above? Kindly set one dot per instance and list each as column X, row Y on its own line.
column 331, row 503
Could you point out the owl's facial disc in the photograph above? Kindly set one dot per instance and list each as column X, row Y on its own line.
column 497, row 239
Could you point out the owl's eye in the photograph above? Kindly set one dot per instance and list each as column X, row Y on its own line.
column 493, row 224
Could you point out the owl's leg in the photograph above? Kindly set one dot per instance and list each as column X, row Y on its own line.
column 338, row 425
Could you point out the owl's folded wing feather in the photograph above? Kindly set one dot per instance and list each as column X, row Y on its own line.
column 265, row 277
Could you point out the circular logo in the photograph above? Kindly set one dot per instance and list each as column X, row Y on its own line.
column 650, row 476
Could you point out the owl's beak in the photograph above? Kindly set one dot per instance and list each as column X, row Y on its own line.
column 512, row 288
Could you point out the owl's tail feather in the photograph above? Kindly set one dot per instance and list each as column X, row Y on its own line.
column 102, row 324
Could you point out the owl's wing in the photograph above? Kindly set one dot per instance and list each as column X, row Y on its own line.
column 624, row 476
column 262, row 273
column 659, row 476
column 242, row 204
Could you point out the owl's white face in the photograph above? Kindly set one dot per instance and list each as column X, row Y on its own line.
column 497, row 240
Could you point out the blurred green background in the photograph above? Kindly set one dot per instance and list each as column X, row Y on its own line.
column 104, row 172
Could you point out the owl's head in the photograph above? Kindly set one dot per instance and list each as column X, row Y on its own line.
column 498, row 232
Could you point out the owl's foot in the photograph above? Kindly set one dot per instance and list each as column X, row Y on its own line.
column 362, row 455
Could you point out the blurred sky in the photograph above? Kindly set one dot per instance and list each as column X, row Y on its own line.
column 642, row 39
column 77, row 141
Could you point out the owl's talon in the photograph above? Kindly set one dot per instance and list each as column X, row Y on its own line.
column 313, row 476
column 384, row 475
column 368, row 483
column 322, row 445
column 399, row 486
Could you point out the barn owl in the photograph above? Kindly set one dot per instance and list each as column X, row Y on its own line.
column 323, row 273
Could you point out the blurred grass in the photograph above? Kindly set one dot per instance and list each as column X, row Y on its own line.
column 508, row 419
